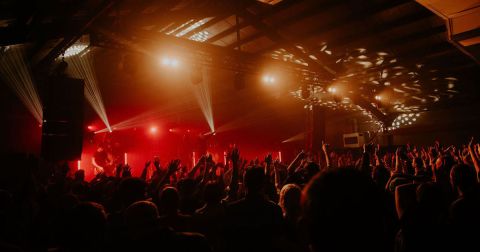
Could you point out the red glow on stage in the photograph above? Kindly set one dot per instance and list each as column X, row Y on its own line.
column 91, row 127
column 171, row 130
column 125, row 158
column 153, row 129
column 78, row 165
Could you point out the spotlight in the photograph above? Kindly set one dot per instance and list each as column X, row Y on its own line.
column 90, row 127
column 170, row 62
column 166, row 61
column 211, row 133
column 378, row 97
column 171, row 130
column 75, row 50
column 15, row 72
column 332, row 90
column 268, row 79
column 153, row 129
column 174, row 62
column 81, row 66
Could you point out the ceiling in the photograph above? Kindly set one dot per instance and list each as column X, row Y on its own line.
column 382, row 58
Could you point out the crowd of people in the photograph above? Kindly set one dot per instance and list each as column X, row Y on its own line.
column 412, row 199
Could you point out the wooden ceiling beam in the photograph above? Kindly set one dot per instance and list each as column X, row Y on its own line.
column 358, row 15
column 69, row 39
column 276, row 8
column 319, row 8
column 372, row 32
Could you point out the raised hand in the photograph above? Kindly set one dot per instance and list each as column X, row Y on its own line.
column 173, row 166
column 325, row 147
column 398, row 151
column 470, row 145
column 476, row 162
column 145, row 170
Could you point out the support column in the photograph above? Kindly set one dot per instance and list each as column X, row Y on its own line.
column 314, row 128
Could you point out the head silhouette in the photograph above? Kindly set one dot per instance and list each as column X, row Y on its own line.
column 132, row 190
column 290, row 196
column 463, row 178
column 213, row 193
column 254, row 180
column 343, row 212
column 169, row 200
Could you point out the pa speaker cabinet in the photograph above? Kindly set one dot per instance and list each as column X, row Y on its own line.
column 62, row 128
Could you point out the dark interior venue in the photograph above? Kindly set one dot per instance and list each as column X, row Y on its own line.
column 242, row 125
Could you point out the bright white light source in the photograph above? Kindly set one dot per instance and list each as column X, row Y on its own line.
column 378, row 97
column 153, row 129
column 74, row 50
column 268, row 79
column 332, row 90
column 170, row 62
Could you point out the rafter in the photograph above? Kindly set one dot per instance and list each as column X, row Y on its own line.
column 281, row 6
column 348, row 19
column 319, row 8
column 315, row 66
column 75, row 35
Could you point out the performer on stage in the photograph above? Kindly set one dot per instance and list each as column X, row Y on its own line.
column 102, row 161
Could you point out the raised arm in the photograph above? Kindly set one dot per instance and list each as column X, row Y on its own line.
column 375, row 154
column 200, row 162
column 397, row 159
column 172, row 168
column 325, row 152
column 473, row 156
column 145, row 170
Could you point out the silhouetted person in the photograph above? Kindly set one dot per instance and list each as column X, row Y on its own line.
column 342, row 210
column 170, row 215
column 465, row 210
column 210, row 219
column 189, row 200
column 85, row 228
column 423, row 225
column 145, row 233
column 254, row 223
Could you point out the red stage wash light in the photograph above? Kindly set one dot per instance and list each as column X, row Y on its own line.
column 225, row 157
column 90, row 127
column 193, row 158
column 153, row 129
column 78, row 165
column 280, row 156
column 125, row 157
